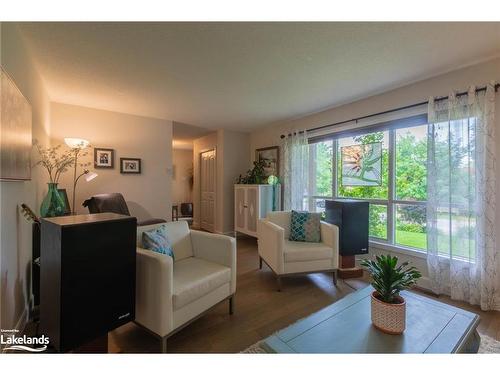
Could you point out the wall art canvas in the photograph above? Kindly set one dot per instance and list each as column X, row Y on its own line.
column 362, row 165
column 15, row 131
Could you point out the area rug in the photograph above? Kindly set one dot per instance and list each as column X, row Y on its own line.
column 488, row 346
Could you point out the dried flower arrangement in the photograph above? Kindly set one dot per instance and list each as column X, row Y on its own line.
column 56, row 162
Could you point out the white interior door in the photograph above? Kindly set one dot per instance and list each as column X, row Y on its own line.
column 208, row 172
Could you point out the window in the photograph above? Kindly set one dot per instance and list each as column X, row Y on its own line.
column 410, row 187
column 397, row 192
column 378, row 221
column 321, row 175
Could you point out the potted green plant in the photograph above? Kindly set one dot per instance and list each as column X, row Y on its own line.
column 388, row 307
column 256, row 175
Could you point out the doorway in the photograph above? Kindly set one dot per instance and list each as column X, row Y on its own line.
column 208, row 171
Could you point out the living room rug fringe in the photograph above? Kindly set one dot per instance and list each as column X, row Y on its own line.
column 488, row 346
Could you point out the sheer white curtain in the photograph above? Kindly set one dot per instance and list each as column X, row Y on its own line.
column 295, row 170
column 462, row 254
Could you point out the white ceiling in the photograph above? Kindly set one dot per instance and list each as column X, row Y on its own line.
column 244, row 75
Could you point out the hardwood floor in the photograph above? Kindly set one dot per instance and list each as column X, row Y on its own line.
column 260, row 311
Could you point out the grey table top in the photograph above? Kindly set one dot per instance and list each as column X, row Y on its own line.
column 345, row 327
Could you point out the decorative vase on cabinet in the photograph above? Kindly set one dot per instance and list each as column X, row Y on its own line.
column 52, row 204
column 251, row 203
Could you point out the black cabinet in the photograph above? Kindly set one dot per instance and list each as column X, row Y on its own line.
column 87, row 277
column 351, row 216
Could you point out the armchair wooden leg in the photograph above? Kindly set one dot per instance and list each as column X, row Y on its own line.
column 335, row 278
column 260, row 263
column 278, row 279
column 164, row 344
column 231, row 306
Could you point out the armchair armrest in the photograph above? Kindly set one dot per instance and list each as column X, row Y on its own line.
column 154, row 289
column 271, row 239
column 330, row 237
column 216, row 248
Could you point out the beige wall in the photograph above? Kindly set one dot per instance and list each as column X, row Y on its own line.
column 147, row 194
column 417, row 92
column 235, row 162
column 15, row 231
column 182, row 161
column 232, row 160
column 478, row 74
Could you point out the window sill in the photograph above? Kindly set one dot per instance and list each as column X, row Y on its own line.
column 413, row 252
column 398, row 249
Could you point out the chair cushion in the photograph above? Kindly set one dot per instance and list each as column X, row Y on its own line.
column 306, row 251
column 305, row 226
column 196, row 277
column 157, row 240
column 281, row 219
column 178, row 234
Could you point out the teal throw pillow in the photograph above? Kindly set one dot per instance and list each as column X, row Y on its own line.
column 305, row 226
column 156, row 240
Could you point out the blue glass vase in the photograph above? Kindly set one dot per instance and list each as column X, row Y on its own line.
column 53, row 204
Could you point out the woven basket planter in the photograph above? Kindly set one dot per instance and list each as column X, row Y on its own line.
column 388, row 317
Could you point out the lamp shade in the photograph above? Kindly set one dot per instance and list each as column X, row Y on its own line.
column 90, row 176
column 76, row 142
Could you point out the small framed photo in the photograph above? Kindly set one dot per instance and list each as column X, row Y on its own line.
column 104, row 158
column 271, row 158
column 130, row 165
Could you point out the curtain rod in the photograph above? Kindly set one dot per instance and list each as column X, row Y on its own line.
column 388, row 111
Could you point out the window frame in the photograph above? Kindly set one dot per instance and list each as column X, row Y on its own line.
column 391, row 202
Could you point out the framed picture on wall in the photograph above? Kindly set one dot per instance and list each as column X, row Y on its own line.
column 104, row 158
column 271, row 158
column 130, row 165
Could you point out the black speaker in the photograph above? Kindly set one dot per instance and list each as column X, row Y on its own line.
column 87, row 277
column 351, row 216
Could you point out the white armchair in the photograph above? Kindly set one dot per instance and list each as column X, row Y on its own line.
column 286, row 258
column 171, row 294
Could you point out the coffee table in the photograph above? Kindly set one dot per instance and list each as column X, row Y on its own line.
column 345, row 327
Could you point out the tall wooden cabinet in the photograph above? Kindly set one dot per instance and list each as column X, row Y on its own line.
column 87, row 277
column 251, row 203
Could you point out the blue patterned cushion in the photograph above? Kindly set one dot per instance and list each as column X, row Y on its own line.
column 157, row 241
column 305, row 226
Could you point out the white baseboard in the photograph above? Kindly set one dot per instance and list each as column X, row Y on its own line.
column 424, row 283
